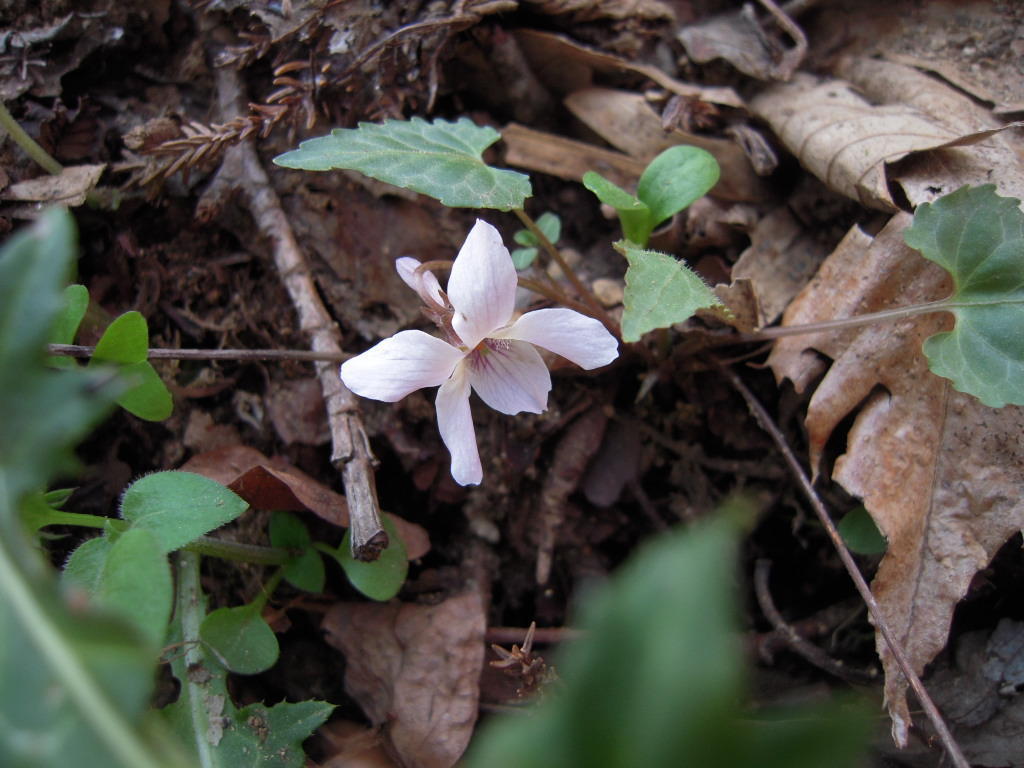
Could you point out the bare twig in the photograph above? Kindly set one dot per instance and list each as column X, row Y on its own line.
column 351, row 447
column 768, row 425
column 794, row 641
column 77, row 350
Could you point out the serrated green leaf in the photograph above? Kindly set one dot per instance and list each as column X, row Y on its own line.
column 634, row 215
column 657, row 679
column 84, row 568
column 441, row 159
column 149, row 398
column 76, row 302
column 272, row 736
column 978, row 237
column 306, row 571
column 381, row 579
column 860, row 532
column 660, row 291
column 674, row 179
column 240, row 639
column 179, row 507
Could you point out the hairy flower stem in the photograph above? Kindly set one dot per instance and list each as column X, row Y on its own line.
column 595, row 309
column 27, row 143
column 204, row 545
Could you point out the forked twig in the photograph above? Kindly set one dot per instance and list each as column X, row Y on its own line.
column 351, row 447
column 768, row 425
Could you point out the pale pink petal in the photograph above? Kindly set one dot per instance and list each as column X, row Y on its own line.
column 455, row 423
column 509, row 376
column 581, row 339
column 408, row 361
column 423, row 281
column 482, row 286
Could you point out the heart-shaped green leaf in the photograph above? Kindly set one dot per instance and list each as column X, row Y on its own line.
column 381, row 579
column 306, row 571
column 240, row 639
column 676, row 178
column 126, row 342
column 660, row 291
column 634, row 216
column 978, row 237
column 179, row 507
column 441, row 159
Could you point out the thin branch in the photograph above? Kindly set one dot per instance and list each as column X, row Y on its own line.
column 768, row 425
column 27, row 143
column 76, row 350
column 807, row 650
column 351, row 446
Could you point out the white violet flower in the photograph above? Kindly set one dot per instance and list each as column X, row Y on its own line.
column 484, row 350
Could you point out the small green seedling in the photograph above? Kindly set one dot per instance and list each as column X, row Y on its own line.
column 670, row 183
column 550, row 225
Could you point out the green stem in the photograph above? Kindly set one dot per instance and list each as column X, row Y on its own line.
column 839, row 324
column 204, row 545
column 268, row 590
column 27, row 143
column 596, row 310
column 189, row 609
column 67, row 666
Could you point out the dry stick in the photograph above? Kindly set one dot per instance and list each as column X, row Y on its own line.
column 78, row 350
column 351, row 447
column 765, row 420
column 809, row 651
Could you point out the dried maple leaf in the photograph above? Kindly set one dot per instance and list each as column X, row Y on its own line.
column 939, row 472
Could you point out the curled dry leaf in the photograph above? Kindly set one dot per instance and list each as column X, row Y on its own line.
column 274, row 484
column 69, row 187
column 847, row 142
column 939, row 472
column 416, row 670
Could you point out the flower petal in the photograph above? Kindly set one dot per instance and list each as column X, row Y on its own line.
column 581, row 339
column 407, row 361
column 423, row 281
column 482, row 286
column 455, row 423
column 509, row 376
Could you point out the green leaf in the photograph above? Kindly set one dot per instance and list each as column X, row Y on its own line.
column 272, row 736
column 657, row 678
column 676, row 178
column 523, row 257
column 136, row 584
column 76, row 302
column 149, row 399
column 240, row 639
column 660, row 291
column 179, row 507
column 84, row 568
column 306, row 571
column 860, row 533
column 441, row 159
column 381, row 579
column 126, row 342
column 635, row 216
column 978, row 237
column 550, row 225
column 42, row 412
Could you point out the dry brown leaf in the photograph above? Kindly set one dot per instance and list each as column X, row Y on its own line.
column 939, row 472
column 414, row 669
column 566, row 66
column 846, row 141
column 69, row 187
column 626, row 121
column 595, row 10
column 930, row 175
column 274, row 484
